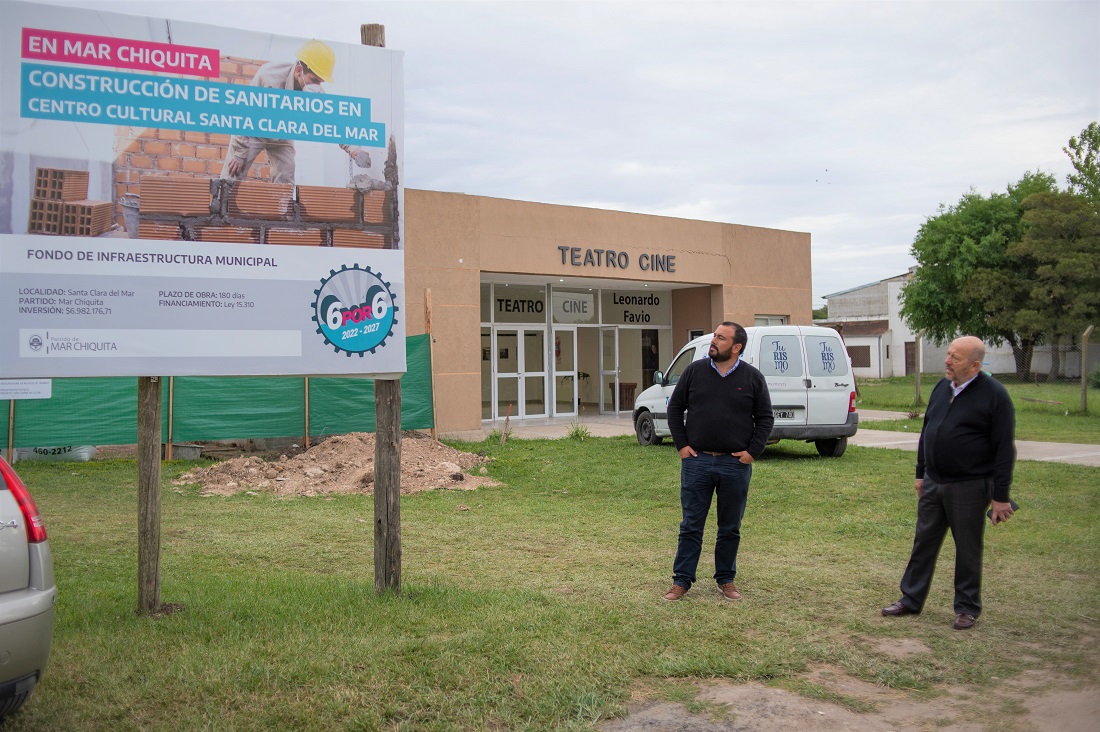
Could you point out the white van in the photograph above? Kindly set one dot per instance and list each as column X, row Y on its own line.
column 809, row 378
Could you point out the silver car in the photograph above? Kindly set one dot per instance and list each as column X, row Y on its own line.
column 27, row 593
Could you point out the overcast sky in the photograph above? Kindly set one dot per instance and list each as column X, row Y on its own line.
column 852, row 121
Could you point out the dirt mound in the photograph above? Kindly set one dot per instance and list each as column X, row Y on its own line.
column 343, row 464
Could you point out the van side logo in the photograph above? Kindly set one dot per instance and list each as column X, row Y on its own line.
column 779, row 357
column 828, row 359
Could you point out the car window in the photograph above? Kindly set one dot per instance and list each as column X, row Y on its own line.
column 781, row 355
column 826, row 356
column 682, row 361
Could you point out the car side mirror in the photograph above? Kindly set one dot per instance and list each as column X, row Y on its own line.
column 658, row 378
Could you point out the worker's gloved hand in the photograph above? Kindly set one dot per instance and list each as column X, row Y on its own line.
column 361, row 158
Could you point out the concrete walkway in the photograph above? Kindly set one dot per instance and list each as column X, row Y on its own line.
column 614, row 425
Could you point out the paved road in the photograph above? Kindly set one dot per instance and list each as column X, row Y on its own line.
column 610, row 426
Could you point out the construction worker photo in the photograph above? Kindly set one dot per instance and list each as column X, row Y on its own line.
column 314, row 63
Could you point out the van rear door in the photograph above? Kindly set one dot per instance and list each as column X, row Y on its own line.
column 829, row 376
column 780, row 359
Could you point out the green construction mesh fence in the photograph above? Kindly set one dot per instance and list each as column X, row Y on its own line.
column 103, row 411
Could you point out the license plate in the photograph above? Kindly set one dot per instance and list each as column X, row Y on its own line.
column 783, row 413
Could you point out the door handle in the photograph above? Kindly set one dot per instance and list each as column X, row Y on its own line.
column 808, row 383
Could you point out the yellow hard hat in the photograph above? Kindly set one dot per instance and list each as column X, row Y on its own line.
column 318, row 57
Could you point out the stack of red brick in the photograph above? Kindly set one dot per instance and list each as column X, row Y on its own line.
column 257, row 212
column 60, row 205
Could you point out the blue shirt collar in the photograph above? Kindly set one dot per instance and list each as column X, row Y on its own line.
column 732, row 368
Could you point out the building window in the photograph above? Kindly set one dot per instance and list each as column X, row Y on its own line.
column 695, row 333
column 861, row 356
column 770, row 320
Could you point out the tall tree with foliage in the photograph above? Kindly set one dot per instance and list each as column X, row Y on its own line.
column 1061, row 245
column 966, row 281
column 1084, row 155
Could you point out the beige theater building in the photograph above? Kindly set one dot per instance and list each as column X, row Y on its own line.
column 541, row 310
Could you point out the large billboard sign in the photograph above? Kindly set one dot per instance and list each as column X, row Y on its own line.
column 183, row 199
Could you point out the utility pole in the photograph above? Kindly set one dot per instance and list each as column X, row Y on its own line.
column 387, row 445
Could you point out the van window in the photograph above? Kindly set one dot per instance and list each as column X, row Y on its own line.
column 826, row 356
column 781, row 355
column 678, row 366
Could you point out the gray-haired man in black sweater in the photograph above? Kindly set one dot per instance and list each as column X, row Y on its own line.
column 728, row 423
column 964, row 464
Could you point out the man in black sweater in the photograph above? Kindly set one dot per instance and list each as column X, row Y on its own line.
column 730, row 418
column 964, row 463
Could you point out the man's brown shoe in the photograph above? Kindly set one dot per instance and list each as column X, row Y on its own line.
column 964, row 621
column 898, row 609
column 729, row 591
column 675, row 593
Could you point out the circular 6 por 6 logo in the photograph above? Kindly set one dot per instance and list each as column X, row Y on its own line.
column 354, row 310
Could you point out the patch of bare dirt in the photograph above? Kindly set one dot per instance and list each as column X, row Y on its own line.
column 1053, row 703
column 343, row 464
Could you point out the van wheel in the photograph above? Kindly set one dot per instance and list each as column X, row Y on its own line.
column 834, row 447
column 646, row 430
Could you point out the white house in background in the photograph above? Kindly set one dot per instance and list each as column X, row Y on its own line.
column 880, row 344
column 868, row 318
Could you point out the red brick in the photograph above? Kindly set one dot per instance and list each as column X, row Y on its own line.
column 184, row 150
column 170, row 134
column 156, row 147
column 168, row 163
column 194, row 166
column 351, row 238
column 206, row 152
column 219, row 139
column 144, row 162
column 158, row 230
column 176, row 195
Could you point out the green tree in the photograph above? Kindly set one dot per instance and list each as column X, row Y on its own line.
column 965, row 281
column 1061, row 245
column 820, row 313
column 1083, row 153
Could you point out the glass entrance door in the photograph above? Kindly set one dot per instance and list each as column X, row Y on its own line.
column 565, row 372
column 519, row 355
column 533, row 370
column 609, row 370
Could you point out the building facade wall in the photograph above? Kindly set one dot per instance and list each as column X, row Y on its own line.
column 454, row 242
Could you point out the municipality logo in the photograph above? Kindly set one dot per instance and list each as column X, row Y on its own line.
column 35, row 342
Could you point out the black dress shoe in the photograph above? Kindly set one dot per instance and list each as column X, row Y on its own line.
column 964, row 621
column 898, row 609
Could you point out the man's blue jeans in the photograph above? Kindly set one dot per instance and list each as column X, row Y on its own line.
column 702, row 477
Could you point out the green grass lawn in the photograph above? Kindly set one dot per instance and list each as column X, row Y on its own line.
column 535, row 605
column 1044, row 412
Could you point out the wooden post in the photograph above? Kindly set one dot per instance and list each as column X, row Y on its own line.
column 1085, row 370
column 431, row 351
column 305, row 442
column 171, row 402
column 387, row 445
column 387, row 485
column 920, row 362
column 148, row 494
column 373, row 34
column 11, row 431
